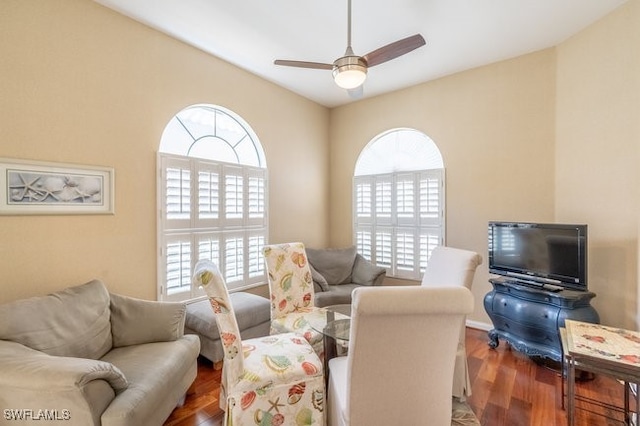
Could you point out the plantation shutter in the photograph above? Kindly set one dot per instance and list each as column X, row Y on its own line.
column 176, row 192
column 256, row 197
column 178, row 257
column 255, row 261
column 399, row 219
column 208, row 194
column 383, row 204
column 212, row 201
column 364, row 199
column 364, row 241
column 406, row 197
column 234, row 258
column 405, row 250
column 233, row 195
column 384, row 247
column 211, row 211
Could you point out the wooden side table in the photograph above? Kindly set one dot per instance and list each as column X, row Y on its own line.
column 604, row 350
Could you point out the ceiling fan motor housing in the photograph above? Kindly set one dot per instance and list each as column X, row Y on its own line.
column 349, row 72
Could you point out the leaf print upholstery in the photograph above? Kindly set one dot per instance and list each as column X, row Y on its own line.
column 291, row 292
column 273, row 380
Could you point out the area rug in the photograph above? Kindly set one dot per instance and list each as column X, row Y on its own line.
column 462, row 415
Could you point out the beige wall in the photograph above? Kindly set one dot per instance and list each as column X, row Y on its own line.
column 495, row 129
column 597, row 155
column 550, row 136
column 83, row 84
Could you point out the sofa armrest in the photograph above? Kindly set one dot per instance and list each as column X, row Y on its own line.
column 137, row 321
column 77, row 388
column 366, row 273
column 27, row 368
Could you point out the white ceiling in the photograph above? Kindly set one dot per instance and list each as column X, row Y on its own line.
column 460, row 34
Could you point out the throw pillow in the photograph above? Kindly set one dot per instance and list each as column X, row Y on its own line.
column 74, row 322
column 135, row 321
column 318, row 280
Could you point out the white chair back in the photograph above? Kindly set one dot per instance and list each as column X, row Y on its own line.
column 401, row 357
column 448, row 266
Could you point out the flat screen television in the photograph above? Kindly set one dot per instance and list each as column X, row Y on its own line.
column 548, row 255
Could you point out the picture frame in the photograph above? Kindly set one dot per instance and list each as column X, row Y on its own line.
column 43, row 188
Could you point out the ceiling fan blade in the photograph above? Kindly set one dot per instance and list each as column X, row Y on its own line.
column 393, row 50
column 303, row 64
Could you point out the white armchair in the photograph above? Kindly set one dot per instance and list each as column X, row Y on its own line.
column 399, row 368
column 450, row 266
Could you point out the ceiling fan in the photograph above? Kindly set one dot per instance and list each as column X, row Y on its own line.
column 350, row 71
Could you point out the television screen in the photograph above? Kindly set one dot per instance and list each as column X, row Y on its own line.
column 539, row 253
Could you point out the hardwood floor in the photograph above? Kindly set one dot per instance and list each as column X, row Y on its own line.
column 509, row 389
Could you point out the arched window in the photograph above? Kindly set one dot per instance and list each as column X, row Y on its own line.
column 398, row 196
column 212, row 200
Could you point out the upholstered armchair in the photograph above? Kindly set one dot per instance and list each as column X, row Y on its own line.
column 399, row 367
column 448, row 266
column 268, row 380
column 337, row 271
column 291, row 291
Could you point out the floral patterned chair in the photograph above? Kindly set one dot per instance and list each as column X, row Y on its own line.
column 292, row 293
column 272, row 380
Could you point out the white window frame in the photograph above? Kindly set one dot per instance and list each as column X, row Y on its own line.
column 244, row 229
column 208, row 214
column 399, row 202
column 383, row 239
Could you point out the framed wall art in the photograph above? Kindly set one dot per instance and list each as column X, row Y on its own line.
column 42, row 188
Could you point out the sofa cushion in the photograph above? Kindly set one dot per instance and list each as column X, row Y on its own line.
column 155, row 373
column 365, row 272
column 337, row 295
column 250, row 310
column 334, row 264
column 74, row 322
column 135, row 321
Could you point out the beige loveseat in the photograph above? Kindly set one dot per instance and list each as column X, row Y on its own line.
column 83, row 356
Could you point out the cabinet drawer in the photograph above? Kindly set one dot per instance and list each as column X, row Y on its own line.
column 526, row 312
column 528, row 333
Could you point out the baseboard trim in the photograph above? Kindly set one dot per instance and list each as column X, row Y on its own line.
column 479, row 325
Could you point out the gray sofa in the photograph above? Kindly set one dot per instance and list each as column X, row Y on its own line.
column 337, row 271
column 89, row 357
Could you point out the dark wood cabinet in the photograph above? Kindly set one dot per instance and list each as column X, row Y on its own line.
column 528, row 317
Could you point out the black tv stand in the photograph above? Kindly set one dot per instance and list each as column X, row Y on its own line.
column 527, row 317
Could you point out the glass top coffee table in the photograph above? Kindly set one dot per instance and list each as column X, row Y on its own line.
column 334, row 325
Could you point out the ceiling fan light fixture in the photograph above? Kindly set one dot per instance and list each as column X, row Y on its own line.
column 349, row 72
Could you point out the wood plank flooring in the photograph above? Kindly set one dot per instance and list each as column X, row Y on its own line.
column 509, row 389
